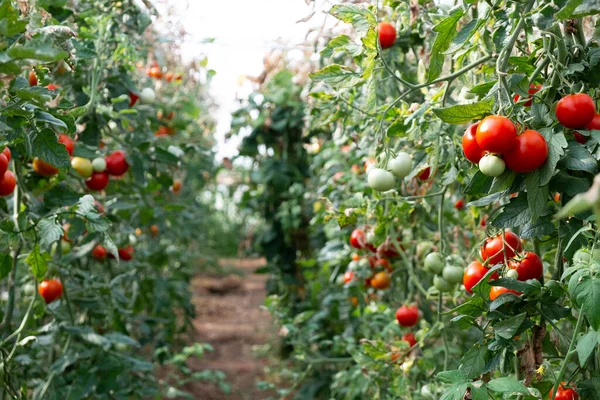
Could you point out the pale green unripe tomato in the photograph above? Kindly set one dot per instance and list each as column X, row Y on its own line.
column 491, row 165
column 441, row 284
column 99, row 164
column 453, row 274
column 512, row 273
column 434, row 262
column 582, row 256
column 147, row 95
column 400, row 166
column 381, row 180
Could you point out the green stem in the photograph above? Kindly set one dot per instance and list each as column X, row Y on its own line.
column 569, row 354
column 441, row 220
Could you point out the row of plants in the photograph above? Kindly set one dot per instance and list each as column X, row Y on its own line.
column 453, row 245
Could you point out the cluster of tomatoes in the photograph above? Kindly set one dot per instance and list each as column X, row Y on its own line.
column 399, row 167
column 379, row 264
column 7, row 178
column 407, row 317
column 446, row 276
column 156, row 72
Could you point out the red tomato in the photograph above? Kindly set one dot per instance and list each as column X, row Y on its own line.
column 68, row 142
column 579, row 138
column 43, row 168
column 533, row 89
column 564, row 393
column 98, row 181
column 470, row 147
column 50, row 290
column 407, row 315
column 383, row 264
column 169, row 76
column 116, row 164
column 496, row 134
column 575, row 110
column 530, row 267
column 126, row 254
column 594, row 124
column 7, row 183
column 529, row 153
column 387, row 35
column 474, row 273
column 99, row 207
column 3, row 164
column 424, row 174
column 52, row 86
column 496, row 291
column 7, row 153
column 493, row 251
column 410, row 338
column 133, row 98
column 348, row 276
column 460, row 204
column 387, row 249
column 33, row 80
column 99, row 253
column 357, row 239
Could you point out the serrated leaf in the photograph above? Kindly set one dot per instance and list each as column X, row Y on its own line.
column 451, row 377
column 587, row 294
column 478, row 184
column 585, row 346
column 515, row 213
column 537, row 195
column 49, row 231
column 359, row 17
column 568, row 10
column 556, row 149
column 398, row 128
column 507, row 328
column 339, row 45
column 541, row 227
column 6, row 263
column 578, row 158
column 472, row 363
column 48, row 149
column 464, row 35
column 39, row 48
column 37, row 262
column 42, row 116
column 337, row 76
column 507, row 384
column 484, row 201
column 446, row 31
column 111, row 247
column 503, row 181
column 463, row 113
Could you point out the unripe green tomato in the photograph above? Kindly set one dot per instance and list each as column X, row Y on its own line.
column 364, row 263
column 400, row 166
column 352, row 266
column 441, row 284
column 65, row 247
column 453, row 274
column 28, row 289
column 99, row 164
column 83, row 166
column 42, row 183
column 424, row 248
column 491, row 165
column 381, row 180
column 147, row 95
column 582, row 256
column 512, row 274
column 121, row 347
column 434, row 262
column 426, row 392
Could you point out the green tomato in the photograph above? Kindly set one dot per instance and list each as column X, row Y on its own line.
column 582, row 256
column 453, row 274
column 28, row 289
column 381, row 180
column 42, row 183
column 491, row 165
column 99, row 164
column 512, row 273
column 121, row 347
column 434, row 262
column 596, row 254
column 424, row 248
column 401, row 166
column 441, row 284
column 65, row 247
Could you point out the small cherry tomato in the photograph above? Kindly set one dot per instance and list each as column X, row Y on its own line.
column 401, row 165
column 496, row 134
column 43, row 168
column 441, row 284
column 387, row 35
column 348, row 276
column 491, row 165
column 533, row 89
column 7, row 183
column 594, row 124
column 68, row 142
column 116, row 164
column 474, row 273
column 7, row 153
column 3, row 164
column 381, row 280
column 50, row 290
column 575, row 110
column 424, row 174
column 564, row 393
column 470, row 147
column 460, row 204
column 453, row 274
column 493, row 251
column 434, row 262
column 126, row 253
column 407, row 315
column 99, row 253
column 579, row 138
column 529, row 153
column 98, row 181
column 358, row 239
column 530, row 267
column 33, row 80
column 496, row 291
column 381, row 180
column 410, row 338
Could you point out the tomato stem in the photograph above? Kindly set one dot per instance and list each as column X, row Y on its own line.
column 569, row 354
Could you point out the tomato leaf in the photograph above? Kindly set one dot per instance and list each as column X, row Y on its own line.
column 452, row 377
column 456, row 392
column 515, row 213
column 585, row 346
column 474, row 307
column 479, row 183
column 463, row 113
column 398, row 128
column 337, row 76
column 39, row 48
column 472, row 363
column 49, row 231
column 530, row 288
column 6, row 263
column 568, row 10
column 507, row 384
column 479, row 391
column 578, row 158
column 339, row 45
column 38, row 262
column 537, row 195
column 507, row 328
column 542, row 226
column 359, row 17
column 589, row 389
column 586, row 291
column 446, row 31
column 464, row 35
column 42, row 116
column 47, row 148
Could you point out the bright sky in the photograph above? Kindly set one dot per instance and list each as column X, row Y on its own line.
column 244, row 30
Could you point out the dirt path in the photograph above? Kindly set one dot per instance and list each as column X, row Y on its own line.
column 230, row 319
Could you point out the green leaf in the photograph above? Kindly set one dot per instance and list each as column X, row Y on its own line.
column 473, row 362
column 452, row 377
column 21, row 88
column 398, row 128
column 503, row 181
column 38, row 262
column 578, row 158
column 585, row 346
column 464, row 35
column 507, row 385
column 456, row 392
column 49, row 231
column 6, row 263
column 359, row 17
column 537, row 195
column 540, row 227
column 446, row 31
column 479, row 183
column 589, row 389
column 339, row 45
column 48, row 118
column 479, row 391
column 463, row 113
column 474, row 307
column 507, row 328
column 568, row 10
column 39, row 48
column 11, row 23
column 484, row 201
column 338, row 76
column 515, row 213
column 556, row 145
column 571, row 185
column 47, row 148
column 587, row 294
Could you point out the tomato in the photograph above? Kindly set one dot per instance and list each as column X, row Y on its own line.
column 68, row 142
column 83, row 166
column 491, row 165
column 401, row 165
column 357, row 239
column 424, row 174
column 388, row 249
column 512, row 274
column 453, row 274
column 470, row 147
column 441, row 284
column 52, row 86
column 7, row 153
column 369, row 164
column 98, row 181
column 474, row 273
column 147, row 95
column 50, row 290
column 126, row 254
column 355, row 257
column 460, row 204
column 410, row 338
column 43, row 168
column 387, row 35
column 407, row 315
column 579, row 138
column 496, row 134
column 380, row 263
column 3, row 164
column 493, row 252
column 575, row 110
column 529, row 153
column 154, row 72
column 7, row 183
column 65, row 246
column 99, row 253
column 564, row 393
column 499, row 290
column 381, row 280
column 434, row 262
column 348, row 276
column 33, row 80
column 530, row 267
column 133, row 98
column 116, row 164
column 381, row 180
column 154, row 230
column 177, row 184
column 164, row 131
column 99, row 164
column 533, row 89
column 169, row 76
column 594, row 124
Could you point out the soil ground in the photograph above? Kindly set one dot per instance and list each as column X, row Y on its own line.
column 230, row 319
